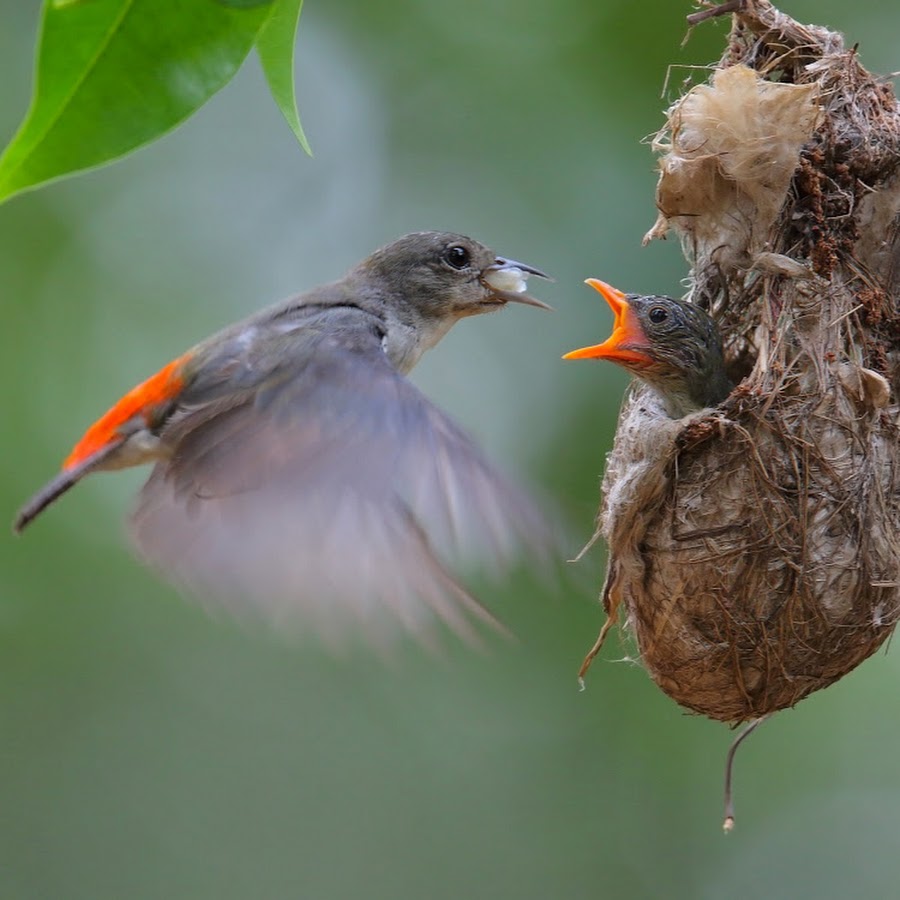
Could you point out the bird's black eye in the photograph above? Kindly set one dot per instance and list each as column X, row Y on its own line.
column 457, row 256
column 658, row 315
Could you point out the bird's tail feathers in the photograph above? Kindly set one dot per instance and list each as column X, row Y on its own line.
column 58, row 486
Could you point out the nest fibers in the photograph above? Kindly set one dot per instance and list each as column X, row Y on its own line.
column 730, row 150
column 755, row 547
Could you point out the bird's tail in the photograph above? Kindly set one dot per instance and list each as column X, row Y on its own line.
column 55, row 488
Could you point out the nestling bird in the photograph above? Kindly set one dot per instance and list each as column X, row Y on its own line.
column 299, row 474
column 672, row 346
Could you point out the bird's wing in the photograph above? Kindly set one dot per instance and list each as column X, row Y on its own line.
column 331, row 496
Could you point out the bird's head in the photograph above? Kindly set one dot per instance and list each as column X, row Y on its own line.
column 441, row 275
column 673, row 346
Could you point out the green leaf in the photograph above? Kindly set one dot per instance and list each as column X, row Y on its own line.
column 275, row 46
column 113, row 75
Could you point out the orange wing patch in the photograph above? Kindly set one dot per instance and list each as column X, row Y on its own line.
column 142, row 400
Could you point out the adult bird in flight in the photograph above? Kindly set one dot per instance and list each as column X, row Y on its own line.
column 299, row 474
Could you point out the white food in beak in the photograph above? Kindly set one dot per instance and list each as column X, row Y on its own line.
column 511, row 279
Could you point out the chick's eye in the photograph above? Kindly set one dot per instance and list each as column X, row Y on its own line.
column 457, row 256
column 658, row 314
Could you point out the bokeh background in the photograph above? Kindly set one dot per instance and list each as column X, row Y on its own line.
column 147, row 751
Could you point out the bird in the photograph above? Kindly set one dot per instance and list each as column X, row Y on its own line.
column 298, row 475
column 672, row 346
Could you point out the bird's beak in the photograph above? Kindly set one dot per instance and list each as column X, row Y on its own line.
column 506, row 278
column 627, row 339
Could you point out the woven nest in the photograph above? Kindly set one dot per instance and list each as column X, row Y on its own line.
column 755, row 548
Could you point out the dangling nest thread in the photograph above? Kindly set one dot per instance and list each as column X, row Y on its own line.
column 755, row 548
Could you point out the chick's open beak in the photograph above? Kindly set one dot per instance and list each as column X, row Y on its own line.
column 506, row 278
column 627, row 341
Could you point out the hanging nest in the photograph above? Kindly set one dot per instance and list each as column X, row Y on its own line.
column 755, row 547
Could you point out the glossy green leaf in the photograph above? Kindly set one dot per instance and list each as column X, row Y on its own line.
column 275, row 45
column 113, row 75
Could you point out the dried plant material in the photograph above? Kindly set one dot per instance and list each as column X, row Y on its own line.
column 769, row 563
column 730, row 150
column 755, row 547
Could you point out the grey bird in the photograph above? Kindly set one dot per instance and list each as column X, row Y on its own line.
column 299, row 475
column 673, row 346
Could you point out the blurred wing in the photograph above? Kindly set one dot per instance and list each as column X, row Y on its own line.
column 332, row 496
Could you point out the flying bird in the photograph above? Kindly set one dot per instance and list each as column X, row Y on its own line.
column 299, row 475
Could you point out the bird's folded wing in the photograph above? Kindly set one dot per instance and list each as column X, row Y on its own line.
column 332, row 496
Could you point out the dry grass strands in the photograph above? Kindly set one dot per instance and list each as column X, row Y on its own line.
column 755, row 548
column 730, row 150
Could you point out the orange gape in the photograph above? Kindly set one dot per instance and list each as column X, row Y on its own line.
column 143, row 399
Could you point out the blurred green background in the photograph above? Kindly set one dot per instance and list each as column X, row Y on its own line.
column 147, row 751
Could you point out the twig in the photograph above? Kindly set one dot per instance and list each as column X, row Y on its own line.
column 598, row 644
column 728, row 823
column 721, row 10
